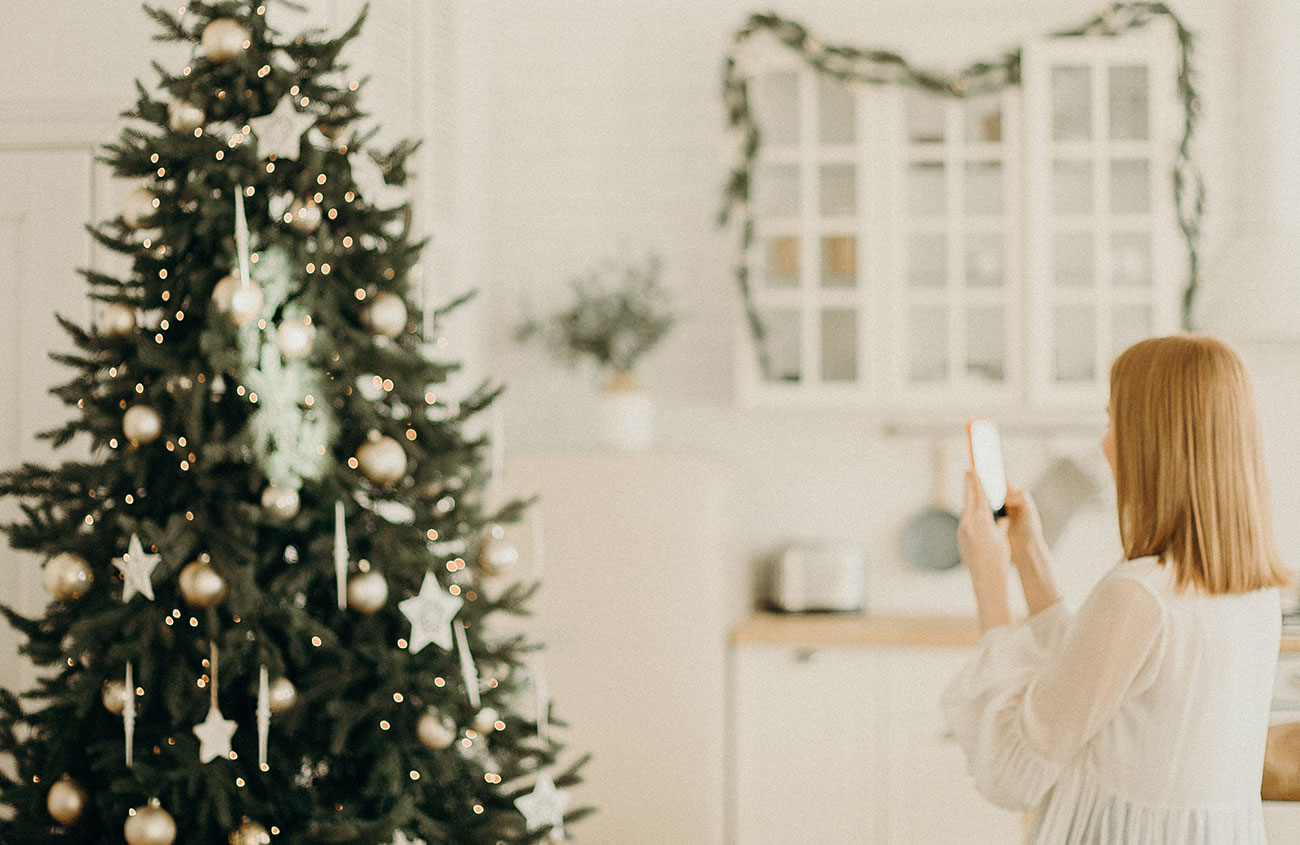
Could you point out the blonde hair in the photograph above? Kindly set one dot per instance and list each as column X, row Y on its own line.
column 1189, row 468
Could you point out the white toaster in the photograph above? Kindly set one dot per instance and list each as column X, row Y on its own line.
column 818, row 576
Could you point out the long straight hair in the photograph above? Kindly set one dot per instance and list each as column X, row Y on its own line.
column 1189, row 468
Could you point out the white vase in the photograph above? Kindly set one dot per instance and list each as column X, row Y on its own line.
column 626, row 414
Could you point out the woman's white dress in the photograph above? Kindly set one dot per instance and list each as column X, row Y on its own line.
column 1141, row 719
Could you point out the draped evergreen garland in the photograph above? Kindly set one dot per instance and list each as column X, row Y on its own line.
column 852, row 65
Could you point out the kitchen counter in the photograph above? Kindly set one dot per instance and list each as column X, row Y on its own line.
column 818, row 630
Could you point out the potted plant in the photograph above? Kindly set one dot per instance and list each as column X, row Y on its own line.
column 619, row 312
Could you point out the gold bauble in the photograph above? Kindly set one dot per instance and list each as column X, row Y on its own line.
column 223, row 39
column 281, row 503
column 114, row 696
column 139, row 207
column 367, row 592
column 385, row 315
column 67, row 576
column 381, row 459
column 250, row 833
column 66, row 800
column 295, row 338
column 485, row 720
column 150, row 825
column 304, row 216
column 241, row 302
column 184, row 117
column 434, row 730
column 116, row 320
column 141, row 424
column 283, row 695
column 496, row 556
column 201, row 585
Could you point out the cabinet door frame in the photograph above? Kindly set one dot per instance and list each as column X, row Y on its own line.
column 1154, row 48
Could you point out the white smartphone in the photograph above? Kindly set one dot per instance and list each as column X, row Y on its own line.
column 986, row 460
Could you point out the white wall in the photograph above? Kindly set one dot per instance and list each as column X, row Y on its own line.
column 562, row 132
column 603, row 131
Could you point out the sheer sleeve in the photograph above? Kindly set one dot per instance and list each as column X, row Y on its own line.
column 1049, row 625
column 1026, row 705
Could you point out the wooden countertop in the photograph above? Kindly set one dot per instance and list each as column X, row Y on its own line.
column 818, row 630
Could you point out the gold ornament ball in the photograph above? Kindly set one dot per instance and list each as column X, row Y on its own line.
column 496, row 556
column 114, row 697
column 241, row 302
column 141, row 424
column 250, row 833
column 304, row 216
column 283, row 695
column 67, row 576
column 224, row 39
column 435, row 731
column 139, row 208
column 116, row 320
column 281, row 503
column 184, row 117
column 381, row 459
column 385, row 315
column 367, row 592
column 66, row 800
column 295, row 338
column 485, row 720
column 150, row 825
column 201, row 585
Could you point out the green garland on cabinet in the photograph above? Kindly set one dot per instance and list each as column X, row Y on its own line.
column 852, row 65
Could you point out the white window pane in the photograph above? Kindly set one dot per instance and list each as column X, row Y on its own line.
column 1129, row 103
column 1071, row 103
column 784, row 343
column 1071, row 186
column 1130, row 186
column 839, row 261
column 927, row 193
column 1131, row 259
column 927, row 260
column 1075, row 358
column 1073, row 261
column 985, row 259
column 927, row 345
column 836, row 111
column 925, row 117
column 777, row 191
column 782, row 264
column 983, row 187
column 838, row 191
column 986, row 336
column 839, row 344
column 778, row 107
column 982, row 116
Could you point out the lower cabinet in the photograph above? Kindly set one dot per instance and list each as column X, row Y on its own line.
column 847, row 745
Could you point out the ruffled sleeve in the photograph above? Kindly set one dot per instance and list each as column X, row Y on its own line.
column 1034, row 694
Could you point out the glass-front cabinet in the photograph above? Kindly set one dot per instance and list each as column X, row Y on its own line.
column 916, row 249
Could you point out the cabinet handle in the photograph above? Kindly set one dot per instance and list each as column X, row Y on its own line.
column 806, row 655
column 948, row 736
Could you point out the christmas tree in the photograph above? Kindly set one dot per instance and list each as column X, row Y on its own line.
column 272, row 577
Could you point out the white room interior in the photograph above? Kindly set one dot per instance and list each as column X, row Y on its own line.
column 557, row 134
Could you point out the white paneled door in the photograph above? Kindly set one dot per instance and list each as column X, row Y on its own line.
column 49, row 197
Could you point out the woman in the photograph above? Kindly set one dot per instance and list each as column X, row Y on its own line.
column 1142, row 718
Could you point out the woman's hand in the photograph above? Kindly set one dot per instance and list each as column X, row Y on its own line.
column 1024, row 528
column 1029, row 551
column 985, row 551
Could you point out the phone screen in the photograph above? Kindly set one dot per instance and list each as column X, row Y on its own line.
column 986, row 458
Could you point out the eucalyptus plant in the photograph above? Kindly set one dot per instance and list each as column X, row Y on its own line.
column 619, row 312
